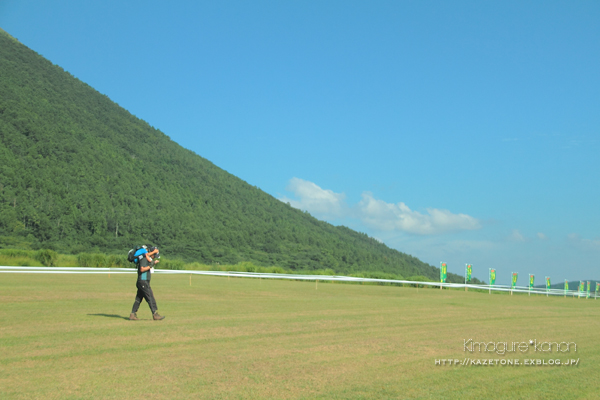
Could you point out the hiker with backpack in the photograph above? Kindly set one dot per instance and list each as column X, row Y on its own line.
column 145, row 258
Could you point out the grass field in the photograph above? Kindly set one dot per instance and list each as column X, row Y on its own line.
column 68, row 337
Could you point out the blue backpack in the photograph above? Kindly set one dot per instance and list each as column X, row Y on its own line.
column 135, row 254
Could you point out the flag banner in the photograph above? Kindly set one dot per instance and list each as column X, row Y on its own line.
column 548, row 283
column 589, row 284
column 531, row 278
column 581, row 286
column 492, row 277
column 597, row 287
column 468, row 273
column 566, row 285
column 514, row 279
column 443, row 272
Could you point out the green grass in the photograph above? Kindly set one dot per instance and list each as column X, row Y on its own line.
column 68, row 337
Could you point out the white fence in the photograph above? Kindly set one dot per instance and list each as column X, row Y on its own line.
column 328, row 278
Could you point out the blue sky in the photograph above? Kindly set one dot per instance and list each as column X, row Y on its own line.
column 463, row 132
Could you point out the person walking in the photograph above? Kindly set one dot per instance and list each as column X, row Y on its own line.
column 146, row 261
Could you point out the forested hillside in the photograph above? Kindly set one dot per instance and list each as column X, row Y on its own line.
column 78, row 173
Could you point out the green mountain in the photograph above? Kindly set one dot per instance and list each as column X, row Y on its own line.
column 79, row 173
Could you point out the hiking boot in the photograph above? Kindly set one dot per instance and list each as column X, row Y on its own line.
column 157, row 316
column 133, row 316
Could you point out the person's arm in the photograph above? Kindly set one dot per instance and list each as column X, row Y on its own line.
column 153, row 252
column 144, row 269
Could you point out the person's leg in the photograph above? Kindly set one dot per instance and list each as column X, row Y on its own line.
column 148, row 295
column 136, row 304
column 138, row 300
column 151, row 300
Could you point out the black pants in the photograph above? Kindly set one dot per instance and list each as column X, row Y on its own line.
column 144, row 291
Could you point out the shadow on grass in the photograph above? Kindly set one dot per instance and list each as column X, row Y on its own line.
column 110, row 316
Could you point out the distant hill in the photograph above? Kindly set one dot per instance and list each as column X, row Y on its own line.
column 573, row 285
column 78, row 173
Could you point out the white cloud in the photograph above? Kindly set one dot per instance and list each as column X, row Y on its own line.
column 517, row 236
column 574, row 237
column 587, row 244
column 315, row 200
column 377, row 214
column 387, row 216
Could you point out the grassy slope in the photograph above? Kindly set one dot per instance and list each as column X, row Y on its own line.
column 66, row 336
column 78, row 173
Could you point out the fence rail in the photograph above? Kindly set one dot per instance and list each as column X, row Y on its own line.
column 261, row 275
